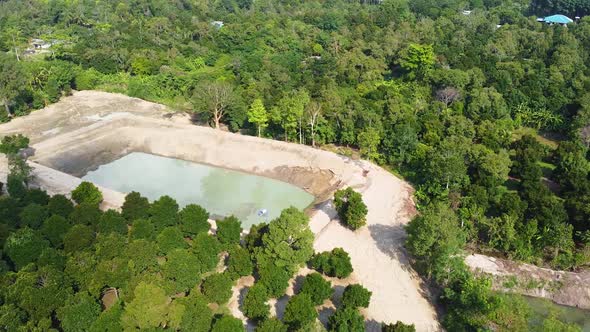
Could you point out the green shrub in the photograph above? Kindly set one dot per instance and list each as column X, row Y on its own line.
column 334, row 264
column 228, row 324
column 398, row 327
column 300, row 311
column 112, row 222
column 24, row 246
column 355, row 296
column 351, row 208
column 36, row 196
column 54, row 229
column 206, row 248
column 164, row 212
column 239, row 263
column 79, row 237
column 197, row 315
column 271, row 325
column 11, row 144
column 86, row 214
column 33, row 215
column 317, row 288
column 183, row 269
column 229, row 230
column 135, row 207
column 254, row 305
column 88, row 193
column 79, row 312
column 253, row 239
column 217, row 287
column 16, row 186
column 87, row 79
column 346, row 319
column 60, row 205
column 276, row 280
column 194, row 220
column 142, row 229
column 171, row 238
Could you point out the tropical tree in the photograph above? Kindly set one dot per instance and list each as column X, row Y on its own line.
column 258, row 115
column 214, row 98
column 12, row 81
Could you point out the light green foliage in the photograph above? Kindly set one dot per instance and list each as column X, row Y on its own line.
column 300, row 311
column 229, row 230
column 33, row 215
column 398, row 327
column 346, row 319
column 351, row 208
column 288, row 243
column 417, row 60
column 355, row 296
column 164, row 212
column 12, row 144
column 109, row 320
column 271, row 325
column 317, row 288
column 254, row 305
column 60, row 205
column 289, row 112
column 368, row 141
column 79, row 237
column 335, row 263
column 169, row 239
column 217, row 287
column 12, row 317
column 149, row 308
column 194, row 220
column 239, row 263
column 12, row 80
column 197, row 316
column 142, row 255
column 228, row 324
column 135, row 206
column 54, row 229
column 258, row 115
column 24, row 246
column 79, row 312
column 88, row 193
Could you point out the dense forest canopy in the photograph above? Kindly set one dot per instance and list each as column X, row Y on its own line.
column 485, row 110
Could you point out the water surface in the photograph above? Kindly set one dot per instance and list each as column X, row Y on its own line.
column 542, row 308
column 222, row 192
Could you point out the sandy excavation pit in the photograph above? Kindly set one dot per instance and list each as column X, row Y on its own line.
column 93, row 128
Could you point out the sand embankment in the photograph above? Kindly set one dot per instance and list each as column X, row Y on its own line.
column 91, row 128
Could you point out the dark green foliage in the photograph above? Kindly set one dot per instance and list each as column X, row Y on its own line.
column 142, row 229
column 33, row 215
column 207, row 249
column 85, row 214
column 346, row 319
column 16, row 186
column 79, row 312
column 194, row 220
column 142, row 255
column 271, row 325
column 300, row 311
column 351, row 208
column 112, row 221
column 355, row 296
column 135, row 206
column 229, row 230
column 52, row 257
column 398, row 327
column 183, row 269
column 254, row 305
column 54, row 229
column 254, row 237
column 274, row 279
column 79, row 237
column 36, row 196
column 87, row 192
column 171, row 238
column 60, row 205
column 317, row 288
column 109, row 320
column 217, row 287
column 164, row 212
column 24, row 246
column 11, row 144
column 197, row 316
column 9, row 210
column 12, row 317
column 335, row 263
column 239, row 263
column 228, row 324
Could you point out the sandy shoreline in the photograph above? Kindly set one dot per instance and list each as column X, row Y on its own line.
column 91, row 128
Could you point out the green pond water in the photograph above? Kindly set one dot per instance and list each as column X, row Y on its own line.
column 542, row 308
column 222, row 192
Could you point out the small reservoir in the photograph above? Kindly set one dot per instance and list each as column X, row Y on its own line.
column 543, row 308
column 221, row 191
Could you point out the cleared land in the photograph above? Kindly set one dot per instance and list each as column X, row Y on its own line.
column 91, row 128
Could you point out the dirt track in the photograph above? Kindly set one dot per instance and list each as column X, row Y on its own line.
column 92, row 128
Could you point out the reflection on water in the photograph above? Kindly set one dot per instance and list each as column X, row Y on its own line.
column 222, row 192
column 542, row 308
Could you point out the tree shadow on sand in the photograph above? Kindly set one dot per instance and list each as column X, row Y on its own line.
column 390, row 240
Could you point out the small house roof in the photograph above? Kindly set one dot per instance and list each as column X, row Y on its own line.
column 559, row 19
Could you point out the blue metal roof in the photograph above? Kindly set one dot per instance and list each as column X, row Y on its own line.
column 560, row 19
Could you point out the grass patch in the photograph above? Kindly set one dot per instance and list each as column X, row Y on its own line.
column 545, row 139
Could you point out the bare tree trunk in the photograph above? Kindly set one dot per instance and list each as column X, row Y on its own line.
column 7, row 108
column 300, row 134
column 258, row 130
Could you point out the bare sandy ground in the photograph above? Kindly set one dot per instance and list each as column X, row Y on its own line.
column 91, row 128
